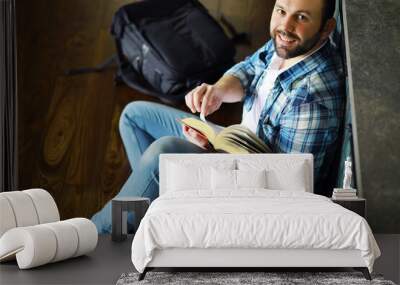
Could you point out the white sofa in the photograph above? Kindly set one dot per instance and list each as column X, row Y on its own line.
column 155, row 244
column 31, row 231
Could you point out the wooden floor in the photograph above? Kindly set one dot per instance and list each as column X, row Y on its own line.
column 68, row 140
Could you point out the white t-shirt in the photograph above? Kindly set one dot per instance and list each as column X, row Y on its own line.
column 250, row 119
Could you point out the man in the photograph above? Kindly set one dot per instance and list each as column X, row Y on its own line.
column 292, row 93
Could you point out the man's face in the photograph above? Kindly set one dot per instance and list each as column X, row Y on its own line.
column 296, row 26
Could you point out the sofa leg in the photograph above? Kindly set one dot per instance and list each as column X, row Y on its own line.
column 364, row 271
column 143, row 274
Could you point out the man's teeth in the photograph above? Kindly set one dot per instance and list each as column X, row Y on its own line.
column 286, row 39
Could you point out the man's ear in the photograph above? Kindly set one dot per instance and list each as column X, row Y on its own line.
column 330, row 25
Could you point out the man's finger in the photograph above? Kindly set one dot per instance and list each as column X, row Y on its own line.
column 204, row 105
column 197, row 136
column 198, row 96
column 194, row 99
column 189, row 101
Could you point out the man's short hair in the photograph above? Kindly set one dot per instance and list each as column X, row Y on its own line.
column 329, row 10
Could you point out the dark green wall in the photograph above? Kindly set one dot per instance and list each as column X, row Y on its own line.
column 374, row 45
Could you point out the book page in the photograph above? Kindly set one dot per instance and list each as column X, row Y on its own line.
column 242, row 138
column 230, row 146
column 242, row 141
column 246, row 134
column 250, row 148
column 207, row 129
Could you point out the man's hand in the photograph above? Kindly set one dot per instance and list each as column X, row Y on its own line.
column 195, row 137
column 205, row 99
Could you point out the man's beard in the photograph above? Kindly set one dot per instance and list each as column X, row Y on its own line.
column 302, row 48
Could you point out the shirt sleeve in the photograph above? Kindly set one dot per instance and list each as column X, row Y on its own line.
column 246, row 70
column 308, row 128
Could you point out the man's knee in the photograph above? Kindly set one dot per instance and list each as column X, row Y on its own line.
column 131, row 111
column 167, row 144
column 150, row 159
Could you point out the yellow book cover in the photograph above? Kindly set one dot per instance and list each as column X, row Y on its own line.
column 235, row 139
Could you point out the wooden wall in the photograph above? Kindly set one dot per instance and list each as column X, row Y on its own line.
column 68, row 140
column 249, row 16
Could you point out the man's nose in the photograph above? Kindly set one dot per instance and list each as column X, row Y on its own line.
column 288, row 24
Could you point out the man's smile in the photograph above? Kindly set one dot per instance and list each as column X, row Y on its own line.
column 285, row 40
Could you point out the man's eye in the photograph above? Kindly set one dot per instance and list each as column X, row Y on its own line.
column 301, row 18
column 280, row 11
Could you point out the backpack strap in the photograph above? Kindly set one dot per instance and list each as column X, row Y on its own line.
column 107, row 64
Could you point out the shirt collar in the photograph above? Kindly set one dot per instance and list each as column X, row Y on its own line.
column 303, row 67
column 299, row 69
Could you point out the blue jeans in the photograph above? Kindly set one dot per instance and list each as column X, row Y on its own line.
column 147, row 130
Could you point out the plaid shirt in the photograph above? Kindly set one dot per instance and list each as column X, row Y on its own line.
column 304, row 110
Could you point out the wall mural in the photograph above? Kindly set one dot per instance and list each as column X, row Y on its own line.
column 68, row 137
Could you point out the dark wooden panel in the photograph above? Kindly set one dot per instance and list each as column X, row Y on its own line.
column 8, row 101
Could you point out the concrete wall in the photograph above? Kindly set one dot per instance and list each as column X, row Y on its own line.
column 374, row 43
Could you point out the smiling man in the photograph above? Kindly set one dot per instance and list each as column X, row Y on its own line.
column 292, row 89
column 299, row 29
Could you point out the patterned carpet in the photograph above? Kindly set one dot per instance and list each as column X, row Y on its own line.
column 243, row 278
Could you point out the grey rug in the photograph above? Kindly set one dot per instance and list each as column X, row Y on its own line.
column 243, row 278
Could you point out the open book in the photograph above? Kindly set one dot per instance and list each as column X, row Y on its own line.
column 233, row 139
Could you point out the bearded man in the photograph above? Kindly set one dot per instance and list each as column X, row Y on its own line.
column 292, row 90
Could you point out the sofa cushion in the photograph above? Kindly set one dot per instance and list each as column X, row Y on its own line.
column 40, row 244
column 26, row 208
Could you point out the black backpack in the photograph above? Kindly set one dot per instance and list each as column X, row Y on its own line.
column 166, row 48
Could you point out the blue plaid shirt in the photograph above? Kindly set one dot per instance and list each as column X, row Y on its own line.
column 304, row 110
